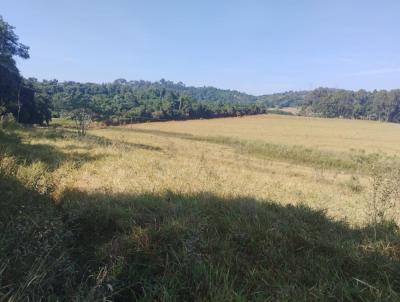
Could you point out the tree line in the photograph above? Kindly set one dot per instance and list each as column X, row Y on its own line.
column 137, row 101
column 380, row 105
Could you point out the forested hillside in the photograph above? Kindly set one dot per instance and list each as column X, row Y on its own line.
column 206, row 93
column 161, row 100
column 144, row 100
column 283, row 99
column 379, row 105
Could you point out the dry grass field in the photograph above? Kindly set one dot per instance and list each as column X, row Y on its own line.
column 158, row 197
column 320, row 133
column 197, row 148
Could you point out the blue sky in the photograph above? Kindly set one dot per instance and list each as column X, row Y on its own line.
column 252, row 46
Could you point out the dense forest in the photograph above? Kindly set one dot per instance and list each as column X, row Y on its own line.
column 381, row 105
column 143, row 100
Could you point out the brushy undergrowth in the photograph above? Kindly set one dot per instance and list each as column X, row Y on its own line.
column 175, row 247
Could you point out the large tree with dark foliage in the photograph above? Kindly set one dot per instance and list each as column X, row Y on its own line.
column 18, row 96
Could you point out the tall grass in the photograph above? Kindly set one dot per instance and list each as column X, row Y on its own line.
column 355, row 161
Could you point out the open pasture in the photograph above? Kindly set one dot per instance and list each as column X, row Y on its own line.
column 178, row 210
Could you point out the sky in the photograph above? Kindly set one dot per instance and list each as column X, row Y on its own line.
column 257, row 47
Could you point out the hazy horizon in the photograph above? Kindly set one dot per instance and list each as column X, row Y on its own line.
column 257, row 47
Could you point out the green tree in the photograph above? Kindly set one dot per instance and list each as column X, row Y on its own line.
column 10, row 80
column 23, row 98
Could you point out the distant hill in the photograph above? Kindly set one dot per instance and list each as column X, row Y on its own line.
column 283, row 99
column 205, row 93
column 209, row 93
column 145, row 100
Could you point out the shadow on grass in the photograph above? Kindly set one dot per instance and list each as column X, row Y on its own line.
column 51, row 156
column 88, row 139
column 33, row 242
column 174, row 247
column 186, row 247
column 12, row 143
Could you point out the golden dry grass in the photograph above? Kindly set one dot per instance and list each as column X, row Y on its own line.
column 327, row 134
column 150, row 162
column 173, row 205
column 191, row 167
column 137, row 162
